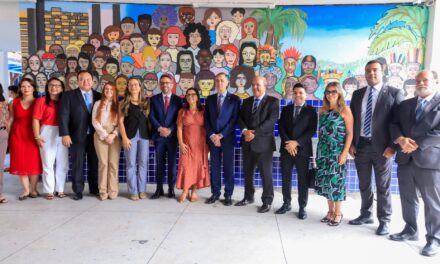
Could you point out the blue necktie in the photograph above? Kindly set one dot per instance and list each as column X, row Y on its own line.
column 88, row 101
column 255, row 106
column 219, row 103
column 369, row 113
column 421, row 104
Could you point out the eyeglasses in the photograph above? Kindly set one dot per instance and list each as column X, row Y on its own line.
column 331, row 92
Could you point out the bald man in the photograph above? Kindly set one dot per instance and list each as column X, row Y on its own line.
column 257, row 119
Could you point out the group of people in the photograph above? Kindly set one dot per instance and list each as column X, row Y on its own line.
column 377, row 124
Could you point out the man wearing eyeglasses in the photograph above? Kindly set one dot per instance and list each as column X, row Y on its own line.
column 163, row 115
column 372, row 148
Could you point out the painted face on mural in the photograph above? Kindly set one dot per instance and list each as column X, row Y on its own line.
column 412, row 68
column 48, row 64
column 249, row 28
column 95, row 82
column 154, row 40
column 112, row 36
column 138, row 43
column 290, row 82
column 230, row 57
column 34, row 63
column 265, row 58
column 290, row 65
column 249, row 54
column 206, row 85
column 98, row 62
column 308, row 65
column 24, row 63
column 72, row 65
column 111, row 69
column 204, row 59
column 240, row 82
column 41, row 81
column 271, row 80
column 149, row 64
column 194, row 39
column 163, row 21
column 144, row 25
column 213, row 21
column 237, row 17
column 127, row 68
column 395, row 68
column 56, row 50
column 126, row 47
column 185, row 62
column 185, row 84
column 73, row 82
column 187, row 18
column 311, row 84
column 225, row 33
column 83, row 64
column 127, row 28
column 150, row 85
column 165, row 62
column 121, row 86
column 96, row 43
column 61, row 64
column 72, row 52
column 173, row 39
column 350, row 88
column 218, row 59
column 116, row 52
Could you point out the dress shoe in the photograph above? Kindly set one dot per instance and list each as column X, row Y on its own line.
column 211, row 199
column 244, row 202
column 227, row 201
column 383, row 229
column 77, row 196
column 157, row 194
column 264, row 208
column 361, row 220
column 171, row 193
column 302, row 214
column 95, row 193
column 404, row 235
column 431, row 248
column 284, row 208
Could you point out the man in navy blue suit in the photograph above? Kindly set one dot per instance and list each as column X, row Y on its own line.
column 221, row 113
column 163, row 115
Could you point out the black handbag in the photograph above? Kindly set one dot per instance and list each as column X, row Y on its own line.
column 311, row 174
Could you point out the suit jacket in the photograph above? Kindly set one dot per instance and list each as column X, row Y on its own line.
column 387, row 101
column 426, row 132
column 263, row 122
column 301, row 130
column 74, row 118
column 223, row 123
column 159, row 118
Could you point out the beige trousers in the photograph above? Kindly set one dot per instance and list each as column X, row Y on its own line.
column 108, row 156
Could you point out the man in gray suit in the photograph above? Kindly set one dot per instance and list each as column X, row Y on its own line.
column 372, row 147
column 416, row 128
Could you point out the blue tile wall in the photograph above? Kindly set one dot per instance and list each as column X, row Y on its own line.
column 352, row 183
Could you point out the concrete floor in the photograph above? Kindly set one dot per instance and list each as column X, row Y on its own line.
column 164, row 231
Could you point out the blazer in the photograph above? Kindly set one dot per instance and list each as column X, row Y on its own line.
column 74, row 119
column 426, row 132
column 159, row 118
column 263, row 122
column 387, row 101
column 301, row 130
column 223, row 123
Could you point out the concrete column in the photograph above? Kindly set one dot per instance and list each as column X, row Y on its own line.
column 432, row 53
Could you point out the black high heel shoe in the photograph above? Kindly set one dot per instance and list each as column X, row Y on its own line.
column 333, row 222
column 327, row 218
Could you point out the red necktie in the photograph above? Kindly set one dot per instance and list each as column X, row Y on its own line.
column 166, row 103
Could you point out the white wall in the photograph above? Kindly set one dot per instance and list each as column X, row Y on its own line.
column 10, row 36
column 433, row 39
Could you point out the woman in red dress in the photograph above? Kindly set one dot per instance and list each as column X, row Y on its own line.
column 191, row 133
column 24, row 152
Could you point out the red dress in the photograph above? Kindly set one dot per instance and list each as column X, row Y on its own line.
column 193, row 166
column 24, row 151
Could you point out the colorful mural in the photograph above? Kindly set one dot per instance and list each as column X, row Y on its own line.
column 313, row 45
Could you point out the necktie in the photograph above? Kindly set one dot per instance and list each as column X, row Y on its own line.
column 421, row 104
column 219, row 103
column 167, row 103
column 296, row 111
column 369, row 112
column 255, row 106
column 88, row 101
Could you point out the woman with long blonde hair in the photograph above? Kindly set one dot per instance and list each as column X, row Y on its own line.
column 335, row 134
column 107, row 143
column 134, row 127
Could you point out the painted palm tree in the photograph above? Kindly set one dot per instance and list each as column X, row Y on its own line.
column 402, row 24
column 276, row 21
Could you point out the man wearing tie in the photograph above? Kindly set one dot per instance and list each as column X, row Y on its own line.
column 297, row 126
column 76, row 130
column 221, row 113
column 372, row 146
column 416, row 129
column 257, row 119
column 163, row 115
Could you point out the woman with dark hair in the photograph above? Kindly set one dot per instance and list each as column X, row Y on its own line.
column 24, row 152
column 112, row 67
column 45, row 127
column 107, row 143
column 4, row 128
column 248, row 54
column 72, row 65
column 185, row 62
column 335, row 134
column 197, row 37
column 84, row 62
column 96, row 40
column 191, row 134
column 241, row 78
column 211, row 18
column 134, row 127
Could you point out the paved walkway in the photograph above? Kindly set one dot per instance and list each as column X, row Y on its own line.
column 164, row 231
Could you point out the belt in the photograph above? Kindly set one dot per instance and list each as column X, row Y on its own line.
column 366, row 139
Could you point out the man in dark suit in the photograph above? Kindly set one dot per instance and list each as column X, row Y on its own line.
column 297, row 126
column 257, row 119
column 372, row 147
column 416, row 129
column 76, row 130
column 221, row 113
column 163, row 116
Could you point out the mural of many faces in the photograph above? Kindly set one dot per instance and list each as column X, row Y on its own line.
column 194, row 53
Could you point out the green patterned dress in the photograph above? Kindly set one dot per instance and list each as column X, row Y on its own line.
column 330, row 177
